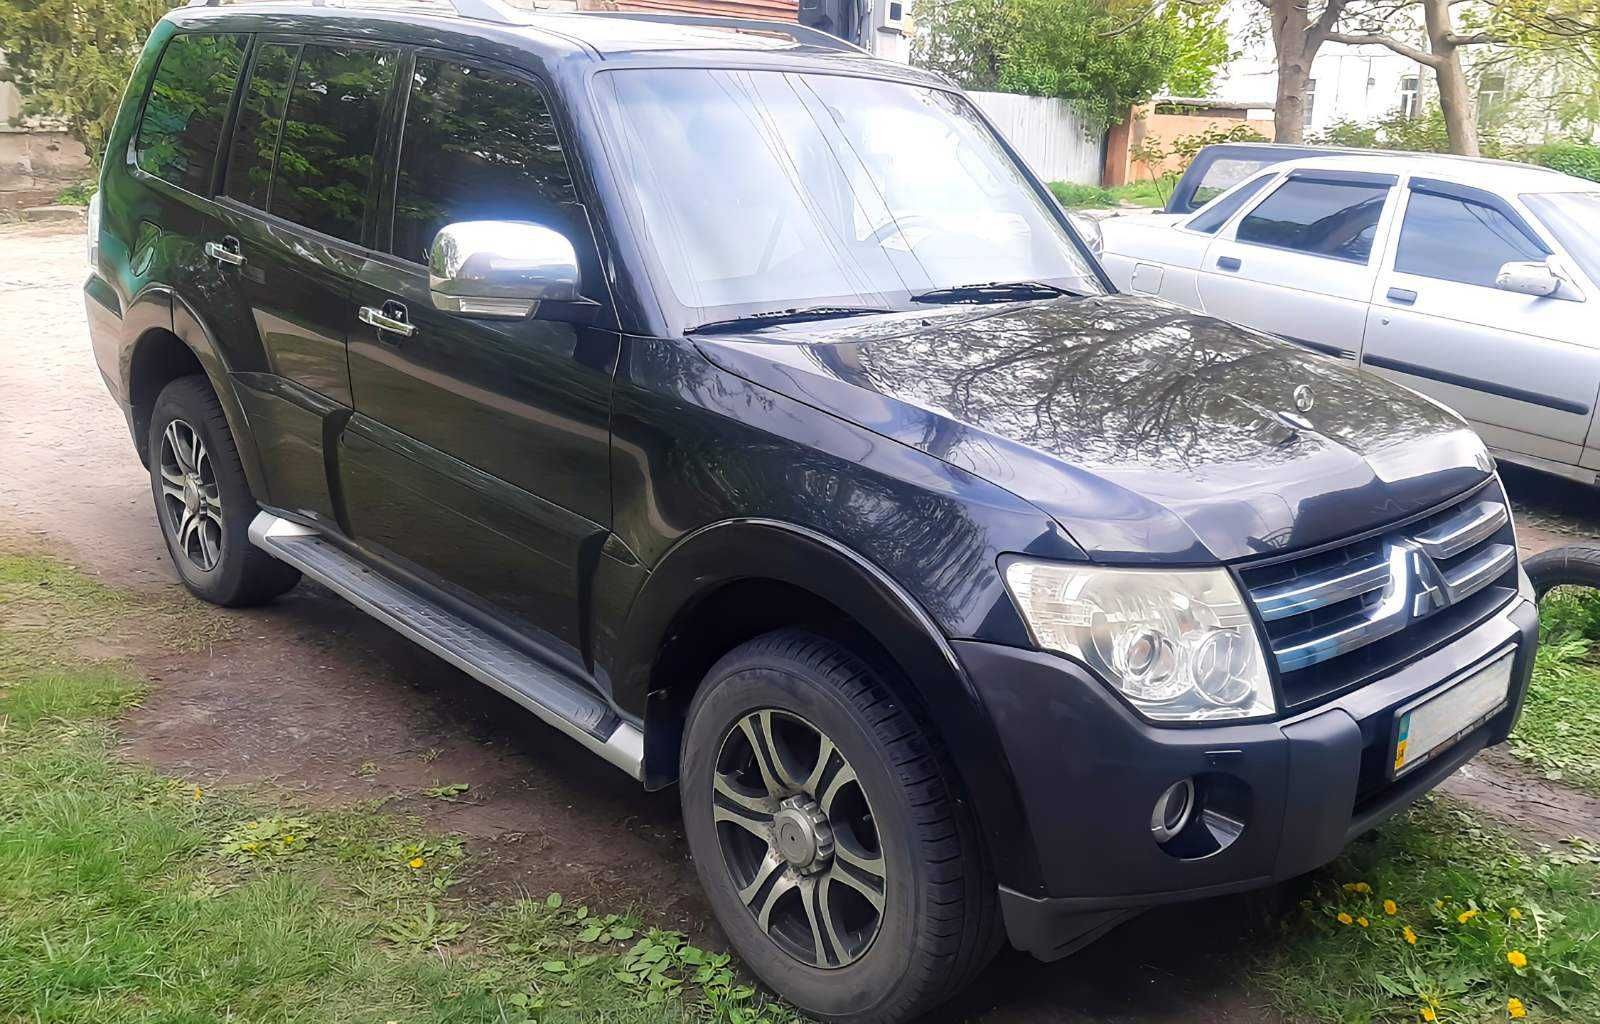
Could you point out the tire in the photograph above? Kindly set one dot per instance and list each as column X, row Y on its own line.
column 938, row 922
column 203, row 501
column 1577, row 565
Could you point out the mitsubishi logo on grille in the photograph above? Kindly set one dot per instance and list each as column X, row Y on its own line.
column 1433, row 591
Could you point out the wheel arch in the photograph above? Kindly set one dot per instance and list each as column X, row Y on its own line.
column 731, row 581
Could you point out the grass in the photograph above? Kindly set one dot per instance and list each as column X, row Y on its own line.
column 1430, row 917
column 1080, row 197
column 78, row 194
column 1559, row 731
column 129, row 896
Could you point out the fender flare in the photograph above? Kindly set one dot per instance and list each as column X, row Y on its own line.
column 703, row 561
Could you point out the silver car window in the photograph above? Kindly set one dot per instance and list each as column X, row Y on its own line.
column 1451, row 238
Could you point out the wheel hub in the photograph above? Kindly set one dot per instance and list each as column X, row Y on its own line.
column 802, row 835
column 191, row 493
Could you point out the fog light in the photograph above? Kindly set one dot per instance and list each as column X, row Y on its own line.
column 1172, row 810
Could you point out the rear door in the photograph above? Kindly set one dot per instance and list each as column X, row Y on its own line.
column 296, row 212
column 1522, row 368
column 480, row 448
column 1299, row 263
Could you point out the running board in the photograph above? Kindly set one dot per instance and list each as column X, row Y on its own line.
column 565, row 704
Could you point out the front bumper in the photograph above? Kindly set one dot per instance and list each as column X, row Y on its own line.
column 1089, row 771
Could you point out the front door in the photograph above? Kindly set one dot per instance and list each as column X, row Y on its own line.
column 479, row 452
column 1299, row 264
column 1523, row 369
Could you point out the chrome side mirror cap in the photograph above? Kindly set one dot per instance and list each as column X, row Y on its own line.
column 503, row 269
column 1088, row 229
column 1528, row 277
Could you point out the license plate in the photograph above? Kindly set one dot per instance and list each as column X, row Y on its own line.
column 1429, row 725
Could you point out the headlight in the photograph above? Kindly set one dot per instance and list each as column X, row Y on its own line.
column 93, row 231
column 1178, row 644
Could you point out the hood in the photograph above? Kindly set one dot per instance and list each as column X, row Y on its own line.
column 1149, row 433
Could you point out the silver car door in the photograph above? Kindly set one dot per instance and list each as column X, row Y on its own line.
column 1519, row 367
column 1298, row 264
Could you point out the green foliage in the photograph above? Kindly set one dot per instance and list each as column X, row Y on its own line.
column 1139, row 193
column 77, row 195
column 70, row 59
column 1102, row 57
column 1574, row 157
column 1559, row 730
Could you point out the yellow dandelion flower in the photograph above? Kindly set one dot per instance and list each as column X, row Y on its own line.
column 1438, row 904
column 1429, row 1014
column 417, row 862
column 1410, row 936
column 1517, row 958
column 197, row 794
column 1363, row 887
column 1345, row 918
column 1514, row 1008
column 247, row 847
column 1390, row 907
column 1465, row 916
column 1515, row 914
column 1363, row 922
column 288, row 839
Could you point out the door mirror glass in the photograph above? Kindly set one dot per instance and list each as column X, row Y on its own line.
column 1527, row 277
column 500, row 268
column 1088, row 229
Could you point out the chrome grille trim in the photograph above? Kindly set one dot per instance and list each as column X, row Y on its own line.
column 1471, row 524
column 1318, row 590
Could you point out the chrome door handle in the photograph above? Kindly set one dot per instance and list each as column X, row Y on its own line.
column 384, row 322
column 221, row 252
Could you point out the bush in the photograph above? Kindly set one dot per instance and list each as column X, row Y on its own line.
column 1579, row 159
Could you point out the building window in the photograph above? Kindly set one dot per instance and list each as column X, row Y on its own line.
column 1310, row 103
column 1410, row 97
column 1491, row 95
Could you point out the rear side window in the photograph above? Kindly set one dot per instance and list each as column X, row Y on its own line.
column 183, row 118
column 1455, row 239
column 255, row 140
column 1222, row 175
column 1324, row 218
column 1214, row 216
column 323, row 176
column 478, row 145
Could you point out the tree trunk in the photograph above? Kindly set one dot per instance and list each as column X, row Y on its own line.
column 1293, row 45
column 1454, row 98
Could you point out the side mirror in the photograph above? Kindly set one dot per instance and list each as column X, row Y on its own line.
column 1528, row 277
column 495, row 268
column 1089, row 230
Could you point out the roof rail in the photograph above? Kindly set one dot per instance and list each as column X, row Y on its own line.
column 477, row 10
column 803, row 34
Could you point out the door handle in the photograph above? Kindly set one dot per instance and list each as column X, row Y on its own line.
column 1229, row 262
column 391, row 318
column 1402, row 295
column 226, row 251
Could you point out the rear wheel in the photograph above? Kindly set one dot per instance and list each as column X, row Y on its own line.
column 823, row 825
column 1576, row 566
column 203, row 500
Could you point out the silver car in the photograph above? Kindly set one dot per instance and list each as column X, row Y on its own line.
column 1475, row 282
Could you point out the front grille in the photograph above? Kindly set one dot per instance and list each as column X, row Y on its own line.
column 1340, row 616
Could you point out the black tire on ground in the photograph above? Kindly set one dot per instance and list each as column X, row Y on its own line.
column 940, row 922
column 1577, row 565
column 243, row 574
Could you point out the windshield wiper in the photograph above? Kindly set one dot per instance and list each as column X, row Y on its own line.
column 994, row 291
column 783, row 316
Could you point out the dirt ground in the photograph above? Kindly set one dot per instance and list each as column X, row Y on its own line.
column 315, row 698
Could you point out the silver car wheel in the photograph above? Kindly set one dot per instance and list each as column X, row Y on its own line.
column 798, row 838
column 191, row 502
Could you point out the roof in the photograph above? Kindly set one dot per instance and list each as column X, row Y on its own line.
column 1490, row 175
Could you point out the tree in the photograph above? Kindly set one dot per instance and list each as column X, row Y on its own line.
column 71, row 59
column 1101, row 57
column 1298, row 30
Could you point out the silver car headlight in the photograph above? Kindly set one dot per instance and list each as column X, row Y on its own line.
column 1179, row 644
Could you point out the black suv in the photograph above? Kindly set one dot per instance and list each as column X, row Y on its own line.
column 740, row 406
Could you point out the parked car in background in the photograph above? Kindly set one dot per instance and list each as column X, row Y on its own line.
column 1475, row 282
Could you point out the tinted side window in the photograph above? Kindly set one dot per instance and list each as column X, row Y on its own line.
column 477, row 145
column 1324, row 218
column 182, row 122
column 1459, row 240
column 1217, row 213
column 255, row 139
column 1222, row 175
column 325, row 154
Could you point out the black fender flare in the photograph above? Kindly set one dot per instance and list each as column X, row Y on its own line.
column 740, row 549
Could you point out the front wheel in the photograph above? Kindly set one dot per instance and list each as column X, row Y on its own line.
column 1576, row 566
column 203, row 500
column 823, row 825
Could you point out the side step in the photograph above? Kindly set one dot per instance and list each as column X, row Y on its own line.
column 565, row 704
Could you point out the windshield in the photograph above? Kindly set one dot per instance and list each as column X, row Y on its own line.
column 1574, row 218
column 762, row 190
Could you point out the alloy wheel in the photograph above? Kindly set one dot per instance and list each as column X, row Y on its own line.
column 189, row 495
column 798, row 838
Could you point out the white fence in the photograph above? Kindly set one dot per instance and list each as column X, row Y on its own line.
column 1050, row 137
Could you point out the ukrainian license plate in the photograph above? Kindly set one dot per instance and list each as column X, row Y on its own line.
column 1428, row 726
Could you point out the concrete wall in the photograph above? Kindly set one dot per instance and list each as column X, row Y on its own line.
column 39, row 159
column 1051, row 138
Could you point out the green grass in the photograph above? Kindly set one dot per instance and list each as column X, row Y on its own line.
column 1080, row 197
column 1559, row 731
column 77, row 195
column 129, row 896
column 1470, row 897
